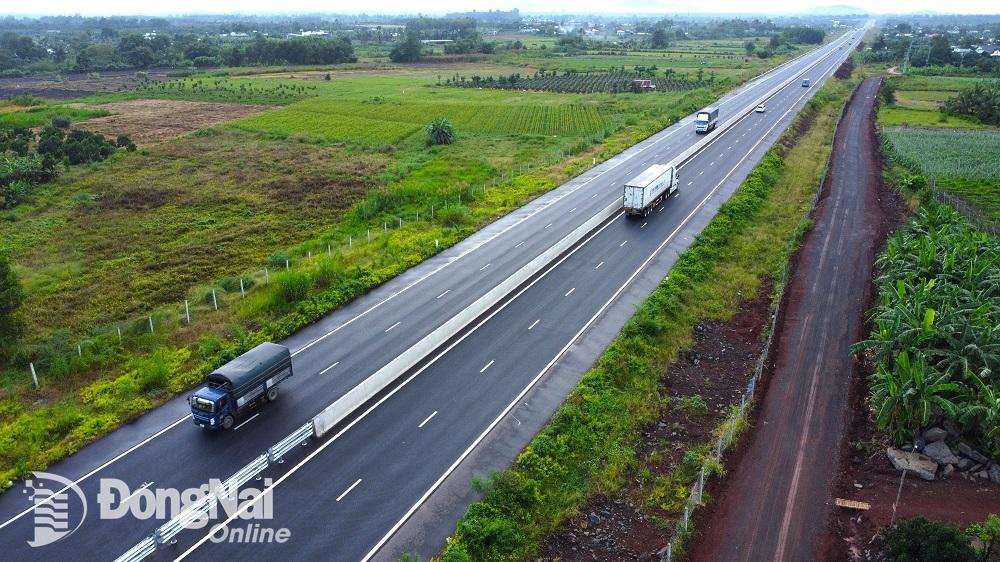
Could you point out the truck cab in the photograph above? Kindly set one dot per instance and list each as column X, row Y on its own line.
column 210, row 409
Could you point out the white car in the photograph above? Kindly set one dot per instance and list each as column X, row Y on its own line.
column 760, row 108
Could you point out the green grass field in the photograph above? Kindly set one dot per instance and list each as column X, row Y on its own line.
column 945, row 153
column 40, row 115
column 918, row 99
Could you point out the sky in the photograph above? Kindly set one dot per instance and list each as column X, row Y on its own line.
column 431, row 7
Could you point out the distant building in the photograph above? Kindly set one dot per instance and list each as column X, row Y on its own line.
column 643, row 85
column 317, row 33
column 436, row 41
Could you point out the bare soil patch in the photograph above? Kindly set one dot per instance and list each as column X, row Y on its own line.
column 76, row 85
column 621, row 526
column 150, row 121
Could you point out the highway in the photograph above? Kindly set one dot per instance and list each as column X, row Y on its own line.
column 343, row 496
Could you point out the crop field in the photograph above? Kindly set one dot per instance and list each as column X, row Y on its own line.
column 984, row 194
column 918, row 99
column 618, row 81
column 13, row 116
column 909, row 117
column 217, row 89
column 946, row 153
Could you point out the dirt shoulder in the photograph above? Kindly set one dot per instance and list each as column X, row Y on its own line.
column 150, row 121
column 771, row 504
column 619, row 526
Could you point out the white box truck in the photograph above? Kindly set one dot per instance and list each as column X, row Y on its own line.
column 649, row 189
column 706, row 119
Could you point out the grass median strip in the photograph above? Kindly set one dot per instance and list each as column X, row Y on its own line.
column 591, row 445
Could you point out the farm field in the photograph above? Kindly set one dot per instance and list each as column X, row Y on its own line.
column 954, row 160
column 918, row 99
column 942, row 153
column 150, row 121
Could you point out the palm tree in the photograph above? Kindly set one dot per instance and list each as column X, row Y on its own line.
column 440, row 131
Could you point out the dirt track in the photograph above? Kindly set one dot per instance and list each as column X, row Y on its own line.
column 774, row 503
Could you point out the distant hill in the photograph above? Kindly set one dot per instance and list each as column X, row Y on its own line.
column 839, row 10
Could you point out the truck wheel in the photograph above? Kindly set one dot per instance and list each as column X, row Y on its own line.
column 227, row 422
column 272, row 394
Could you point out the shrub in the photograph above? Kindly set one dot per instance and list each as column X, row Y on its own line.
column 293, row 286
column 440, row 131
column 694, row 405
column 60, row 121
column 27, row 100
column 11, row 297
column 920, row 540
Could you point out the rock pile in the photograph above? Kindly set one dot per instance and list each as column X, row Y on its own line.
column 931, row 457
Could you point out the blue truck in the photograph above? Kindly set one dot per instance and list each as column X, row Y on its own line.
column 243, row 384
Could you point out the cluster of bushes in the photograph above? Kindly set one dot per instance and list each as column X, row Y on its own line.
column 78, row 146
column 21, row 168
column 921, row 540
column 935, row 339
column 981, row 100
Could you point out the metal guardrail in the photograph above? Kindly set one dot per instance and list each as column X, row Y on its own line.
column 166, row 533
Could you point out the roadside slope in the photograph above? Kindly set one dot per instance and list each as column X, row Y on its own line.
column 770, row 507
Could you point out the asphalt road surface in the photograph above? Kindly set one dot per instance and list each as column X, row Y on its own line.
column 774, row 503
column 342, row 497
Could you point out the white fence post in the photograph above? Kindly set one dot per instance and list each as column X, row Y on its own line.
column 369, row 236
column 286, row 263
column 243, row 292
column 79, row 350
column 34, row 377
column 150, row 323
column 267, row 276
column 119, row 328
column 187, row 311
column 215, row 301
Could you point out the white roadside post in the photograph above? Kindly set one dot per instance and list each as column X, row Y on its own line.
column 187, row 311
column 34, row 377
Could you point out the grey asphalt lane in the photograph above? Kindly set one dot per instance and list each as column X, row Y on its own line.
column 396, row 463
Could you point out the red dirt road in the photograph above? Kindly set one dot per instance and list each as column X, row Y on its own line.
column 774, row 504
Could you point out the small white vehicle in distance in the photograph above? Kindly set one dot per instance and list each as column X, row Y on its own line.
column 760, row 108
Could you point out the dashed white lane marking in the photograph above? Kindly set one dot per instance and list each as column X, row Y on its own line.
column 330, row 367
column 533, row 324
column 594, row 195
column 485, row 266
column 519, row 244
column 348, row 491
column 548, row 225
column 690, row 182
column 573, row 209
column 645, row 223
column 393, row 326
column 443, row 294
column 487, row 366
column 423, row 423
column 623, row 243
column 599, row 265
column 570, row 292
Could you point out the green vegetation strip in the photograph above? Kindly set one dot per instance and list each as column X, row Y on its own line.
column 935, row 340
column 945, row 153
column 589, row 446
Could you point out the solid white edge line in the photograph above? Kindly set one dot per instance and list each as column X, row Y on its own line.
column 423, row 423
column 348, row 491
column 246, row 422
column 95, row 471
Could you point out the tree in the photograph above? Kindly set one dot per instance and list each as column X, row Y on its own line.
column 749, row 46
column 440, row 131
column 11, row 297
column 408, row 49
column 888, row 92
column 940, row 51
column 659, row 40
